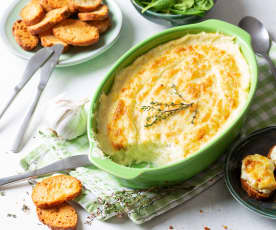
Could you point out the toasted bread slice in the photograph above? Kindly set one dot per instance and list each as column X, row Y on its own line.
column 55, row 190
column 63, row 217
column 86, row 5
column 32, row 13
column 100, row 14
column 47, row 39
column 76, row 32
column 49, row 5
column 52, row 18
column 102, row 26
column 23, row 37
column 272, row 154
column 253, row 192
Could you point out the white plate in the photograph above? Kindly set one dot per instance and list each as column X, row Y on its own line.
column 75, row 55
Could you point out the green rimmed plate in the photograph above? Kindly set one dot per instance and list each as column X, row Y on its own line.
column 75, row 55
column 258, row 142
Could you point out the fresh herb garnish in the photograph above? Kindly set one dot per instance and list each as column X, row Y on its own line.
column 183, row 7
column 25, row 208
column 163, row 114
column 165, row 110
column 2, row 193
column 11, row 215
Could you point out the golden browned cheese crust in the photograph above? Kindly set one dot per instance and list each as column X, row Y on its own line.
column 63, row 217
column 48, row 39
column 76, row 32
column 23, row 37
column 55, row 190
column 102, row 26
column 32, row 13
column 253, row 192
column 52, row 18
column 173, row 100
column 100, row 14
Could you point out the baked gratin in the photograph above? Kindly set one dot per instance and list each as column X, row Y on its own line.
column 173, row 100
column 257, row 176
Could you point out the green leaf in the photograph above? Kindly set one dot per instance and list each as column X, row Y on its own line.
column 204, row 4
column 159, row 5
column 184, row 4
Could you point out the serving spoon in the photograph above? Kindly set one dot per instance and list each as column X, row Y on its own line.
column 261, row 40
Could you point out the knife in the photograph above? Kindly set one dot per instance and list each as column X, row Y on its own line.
column 34, row 64
column 46, row 71
column 58, row 166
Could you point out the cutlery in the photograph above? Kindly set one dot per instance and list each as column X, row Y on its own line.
column 34, row 64
column 46, row 71
column 261, row 40
column 58, row 166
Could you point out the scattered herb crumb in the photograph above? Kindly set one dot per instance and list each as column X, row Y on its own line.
column 2, row 193
column 11, row 215
column 25, row 208
column 171, row 227
column 201, row 211
column 90, row 219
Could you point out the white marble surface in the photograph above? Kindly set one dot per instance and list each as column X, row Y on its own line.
column 218, row 206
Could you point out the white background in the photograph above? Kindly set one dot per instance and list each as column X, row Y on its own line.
column 218, row 206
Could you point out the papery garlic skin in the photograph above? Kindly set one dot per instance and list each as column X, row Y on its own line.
column 66, row 118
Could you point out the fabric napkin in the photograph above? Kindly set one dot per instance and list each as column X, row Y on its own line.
column 104, row 197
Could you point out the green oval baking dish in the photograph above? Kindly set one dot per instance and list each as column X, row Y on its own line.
column 194, row 163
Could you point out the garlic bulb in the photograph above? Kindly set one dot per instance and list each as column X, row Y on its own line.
column 66, row 118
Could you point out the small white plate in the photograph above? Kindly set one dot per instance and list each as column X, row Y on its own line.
column 75, row 55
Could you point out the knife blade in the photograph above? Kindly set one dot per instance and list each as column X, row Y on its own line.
column 58, row 166
column 46, row 71
column 37, row 60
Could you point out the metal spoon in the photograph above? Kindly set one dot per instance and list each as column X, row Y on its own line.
column 261, row 41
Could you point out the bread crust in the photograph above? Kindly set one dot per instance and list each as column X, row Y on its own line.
column 86, row 6
column 63, row 217
column 23, row 37
column 253, row 192
column 52, row 18
column 270, row 152
column 49, row 5
column 55, row 190
column 100, row 14
column 32, row 13
column 48, row 39
column 76, row 32
column 102, row 26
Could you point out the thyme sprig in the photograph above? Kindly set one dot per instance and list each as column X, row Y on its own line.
column 176, row 91
column 163, row 111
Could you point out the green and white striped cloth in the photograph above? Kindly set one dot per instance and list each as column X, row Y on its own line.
column 104, row 198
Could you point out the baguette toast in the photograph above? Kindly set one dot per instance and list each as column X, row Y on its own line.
column 23, row 37
column 32, row 13
column 63, row 217
column 52, row 18
column 100, row 14
column 55, row 190
column 86, row 5
column 47, row 39
column 102, row 26
column 76, row 32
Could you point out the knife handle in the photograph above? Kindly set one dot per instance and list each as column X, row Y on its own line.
column 26, row 121
column 11, row 179
column 8, row 103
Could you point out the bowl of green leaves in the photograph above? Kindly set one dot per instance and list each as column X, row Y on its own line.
column 173, row 12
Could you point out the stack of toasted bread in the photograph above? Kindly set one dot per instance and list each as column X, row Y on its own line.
column 66, row 22
column 50, row 197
